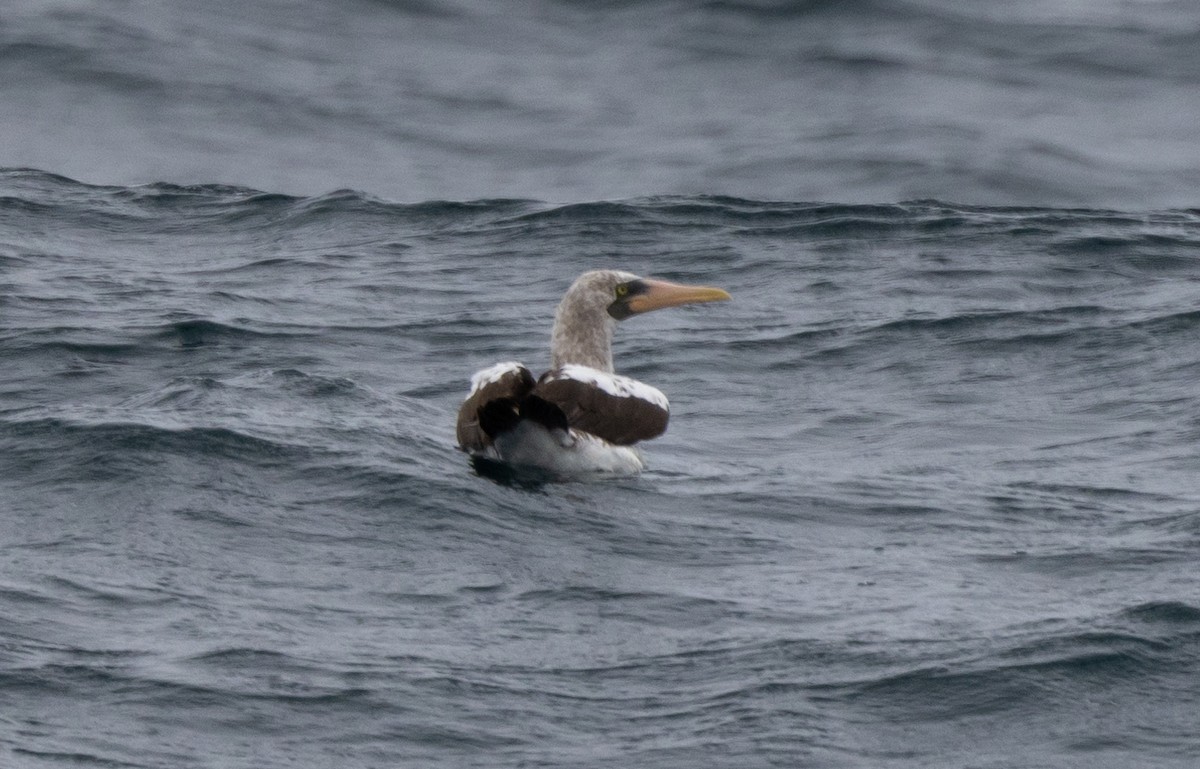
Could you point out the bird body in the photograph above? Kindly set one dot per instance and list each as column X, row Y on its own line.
column 579, row 417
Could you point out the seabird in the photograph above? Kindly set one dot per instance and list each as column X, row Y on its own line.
column 580, row 417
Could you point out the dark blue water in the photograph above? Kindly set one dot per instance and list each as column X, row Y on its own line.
column 929, row 496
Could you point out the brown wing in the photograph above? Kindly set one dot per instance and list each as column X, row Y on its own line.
column 618, row 409
column 492, row 390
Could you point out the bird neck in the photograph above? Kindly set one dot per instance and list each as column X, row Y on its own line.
column 582, row 336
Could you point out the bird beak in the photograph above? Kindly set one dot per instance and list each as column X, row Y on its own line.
column 657, row 294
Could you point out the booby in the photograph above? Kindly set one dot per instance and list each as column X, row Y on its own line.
column 580, row 417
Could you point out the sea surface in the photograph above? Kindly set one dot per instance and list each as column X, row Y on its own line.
column 930, row 496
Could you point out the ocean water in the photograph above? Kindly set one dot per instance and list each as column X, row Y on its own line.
column 929, row 496
column 1023, row 102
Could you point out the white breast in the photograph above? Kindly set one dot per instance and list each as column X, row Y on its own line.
column 570, row 454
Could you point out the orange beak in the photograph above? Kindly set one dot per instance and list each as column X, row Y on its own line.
column 658, row 294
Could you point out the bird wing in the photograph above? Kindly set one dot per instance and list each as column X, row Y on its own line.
column 615, row 408
column 496, row 394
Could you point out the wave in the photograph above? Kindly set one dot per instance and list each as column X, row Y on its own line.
column 99, row 450
column 1164, row 612
column 123, row 345
column 199, row 332
column 162, row 207
column 1142, row 643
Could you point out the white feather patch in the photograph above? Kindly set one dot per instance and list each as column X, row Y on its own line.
column 531, row 445
column 613, row 384
column 492, row 374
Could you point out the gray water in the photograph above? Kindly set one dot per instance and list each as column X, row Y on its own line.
column 1054, row 103
column 928, row 495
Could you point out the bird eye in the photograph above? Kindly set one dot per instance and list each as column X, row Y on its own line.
column 622, row 289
